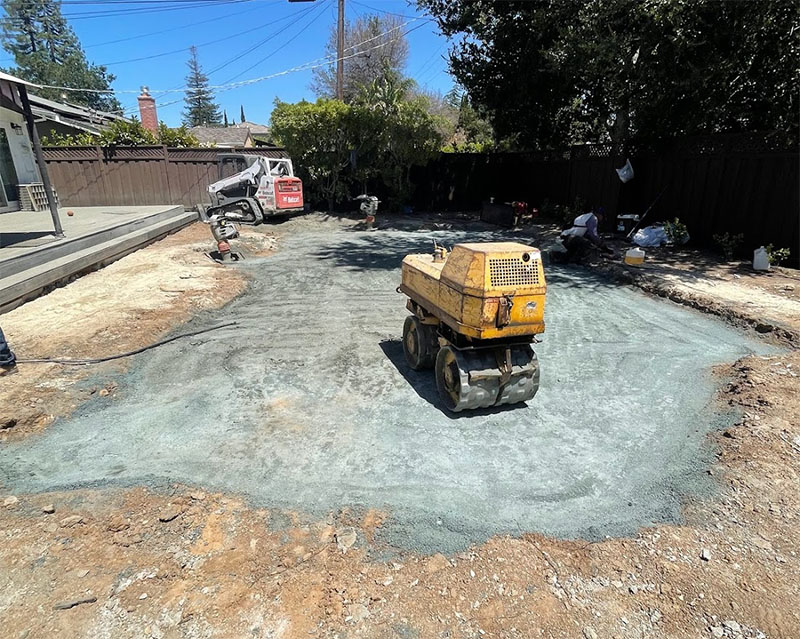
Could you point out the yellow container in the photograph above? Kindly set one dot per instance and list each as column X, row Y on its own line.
column 634, row 257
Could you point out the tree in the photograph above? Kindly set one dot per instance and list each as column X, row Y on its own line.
column 177, row 137
column 397, row 131
column 225, row 118
column 318, row 138
column 338, row 146
column 46, row 51
column 553, row 73
column 241, row 114
column 437, row 106
column 121, row 133
column 374, row 42
column 201, row 110
column 473, row 133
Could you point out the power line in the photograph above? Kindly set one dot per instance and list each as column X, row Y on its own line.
column 233, row 85
column 156, row 7
column 194, row 4
column 179, row 28
column 263, row 41
column 326, row 60
column 428, row 65
column 163, row 92
column 274, row 51
column 391, row 13
column 308, row 66
column 124, row 2
column 202, row 44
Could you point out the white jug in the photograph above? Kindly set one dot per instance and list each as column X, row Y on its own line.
column 760, row 259
column 634, row 256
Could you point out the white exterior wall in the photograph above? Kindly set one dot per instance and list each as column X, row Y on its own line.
column 20, row 146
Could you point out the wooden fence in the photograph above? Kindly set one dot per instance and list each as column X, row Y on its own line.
column 747, row 184
column 95, row 176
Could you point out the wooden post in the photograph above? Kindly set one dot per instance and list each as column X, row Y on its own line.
column 101, row 169
column 165, row 151
column 37, row 149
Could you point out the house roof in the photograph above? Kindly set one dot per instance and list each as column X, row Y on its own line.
column 221, row 136
column 255, row 129
column 73, row 115
column 15, row 79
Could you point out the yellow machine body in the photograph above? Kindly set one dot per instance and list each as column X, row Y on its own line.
column 481, row 290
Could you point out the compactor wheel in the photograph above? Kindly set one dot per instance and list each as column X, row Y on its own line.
column 472, row 379
column 419, row 343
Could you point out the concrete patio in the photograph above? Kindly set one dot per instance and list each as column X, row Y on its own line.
column 32, row 258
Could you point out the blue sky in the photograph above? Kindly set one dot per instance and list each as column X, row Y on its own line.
column 295, row 34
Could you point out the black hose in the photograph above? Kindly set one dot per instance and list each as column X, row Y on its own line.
column 98, row 360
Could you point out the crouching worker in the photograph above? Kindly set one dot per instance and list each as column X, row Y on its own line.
column 582, row 238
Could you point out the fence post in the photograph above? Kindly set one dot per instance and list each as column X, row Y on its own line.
column 101, row 168
column 165, row 151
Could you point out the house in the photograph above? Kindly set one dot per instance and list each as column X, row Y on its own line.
column 261, row 134
column 69, row 119
column 21, row 183
column 223, row 137
column 17, row 155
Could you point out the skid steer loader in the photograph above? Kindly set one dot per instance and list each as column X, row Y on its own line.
column 260, row 188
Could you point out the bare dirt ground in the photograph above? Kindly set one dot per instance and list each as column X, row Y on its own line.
column 124, row 306
column 182, row 562
column 767, row 302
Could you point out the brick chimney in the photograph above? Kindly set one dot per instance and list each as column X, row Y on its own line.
column 147, row 111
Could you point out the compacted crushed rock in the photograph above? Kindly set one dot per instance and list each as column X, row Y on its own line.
column 302, row 482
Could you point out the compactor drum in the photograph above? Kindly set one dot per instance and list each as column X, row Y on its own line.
column 475, row 313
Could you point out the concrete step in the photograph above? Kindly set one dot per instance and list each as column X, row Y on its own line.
column 67, row 246
column 22, row 286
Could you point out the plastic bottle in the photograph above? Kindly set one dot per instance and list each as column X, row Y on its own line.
column 760, row 259
column 634, row 256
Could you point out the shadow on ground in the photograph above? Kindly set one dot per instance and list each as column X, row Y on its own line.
column 32, row 238
column 385, row 252
column 424, row 383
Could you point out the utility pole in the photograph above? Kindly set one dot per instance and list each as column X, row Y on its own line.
column 339, row 50
column 340, row 54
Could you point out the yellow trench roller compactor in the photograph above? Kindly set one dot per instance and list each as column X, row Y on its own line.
column 475, row 313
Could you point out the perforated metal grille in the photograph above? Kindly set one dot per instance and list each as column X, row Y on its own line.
column 512, row 271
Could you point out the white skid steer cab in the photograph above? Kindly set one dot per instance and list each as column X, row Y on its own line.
column 261, row 187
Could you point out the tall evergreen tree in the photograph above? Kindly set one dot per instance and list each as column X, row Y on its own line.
column 225, row 118
column 47, row 51
column 241, row 114
column 201, row 110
